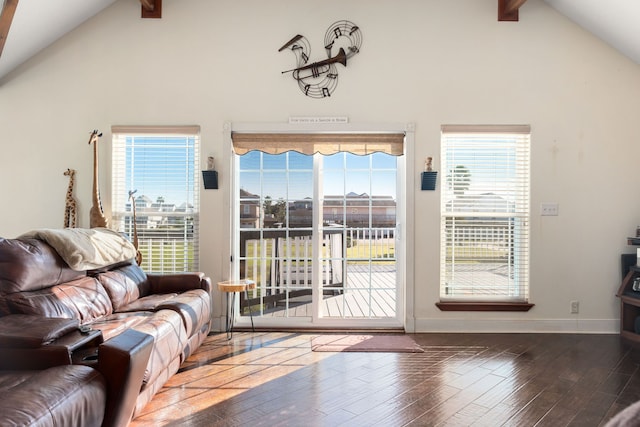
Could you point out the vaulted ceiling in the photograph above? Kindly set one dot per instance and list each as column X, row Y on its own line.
column 38, row 23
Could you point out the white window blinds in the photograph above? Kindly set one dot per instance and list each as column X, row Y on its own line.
column 485, row 213
column 161, row 165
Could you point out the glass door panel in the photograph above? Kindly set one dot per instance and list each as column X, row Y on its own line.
column 317, row 234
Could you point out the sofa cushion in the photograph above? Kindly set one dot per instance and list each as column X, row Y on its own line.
column 148, row 303
column 84, row 299
column 69, row 395
column 194, row 308
column 30, row 264
column 124, row 284
column 117, row 323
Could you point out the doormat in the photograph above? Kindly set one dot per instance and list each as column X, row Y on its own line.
column 364, row 343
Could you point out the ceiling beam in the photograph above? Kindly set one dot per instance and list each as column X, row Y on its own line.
column 508, row 9
column 6, row 17
column 151, row 8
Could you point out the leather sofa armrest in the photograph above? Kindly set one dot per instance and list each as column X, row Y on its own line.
column 178, row 282
column 28, row 331
column 34, row 342
column 122, row 360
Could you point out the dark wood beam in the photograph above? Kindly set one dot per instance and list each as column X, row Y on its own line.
column 151, row 8
column 6, row 17
column 508, row 9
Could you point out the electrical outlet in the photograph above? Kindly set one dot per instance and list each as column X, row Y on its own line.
column 575, row 307
column 549, row 209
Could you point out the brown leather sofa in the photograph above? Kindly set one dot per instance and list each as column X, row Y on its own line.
column 68, row 395
column 174, row 311
column 37, row 387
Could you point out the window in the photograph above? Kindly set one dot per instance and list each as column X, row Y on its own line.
column 160, row 166
column 485, row 215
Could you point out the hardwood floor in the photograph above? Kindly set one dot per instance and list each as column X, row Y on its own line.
column 274, row 379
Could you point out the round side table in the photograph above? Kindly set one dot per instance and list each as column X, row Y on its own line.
column 232, row 288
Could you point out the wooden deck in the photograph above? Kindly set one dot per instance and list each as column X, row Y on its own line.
column 372, row 294
column 366, row 295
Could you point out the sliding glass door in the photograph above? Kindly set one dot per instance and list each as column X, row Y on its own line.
column 319, row 236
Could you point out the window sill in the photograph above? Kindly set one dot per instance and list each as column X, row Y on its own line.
column 484, row 306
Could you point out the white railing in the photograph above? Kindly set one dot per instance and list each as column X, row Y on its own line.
column 287, row 262
column 167, row 255
column 281, row 264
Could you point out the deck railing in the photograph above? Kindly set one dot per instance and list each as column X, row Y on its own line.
column 282, row 266
column 167, row 255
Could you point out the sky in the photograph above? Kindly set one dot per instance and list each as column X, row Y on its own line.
column 342, row 173
column 161, row 167
column 166, row 167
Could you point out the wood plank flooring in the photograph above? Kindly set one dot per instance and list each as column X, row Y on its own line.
column 274, row 379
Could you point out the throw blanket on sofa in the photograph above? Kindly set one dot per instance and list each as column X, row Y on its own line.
column 86, row 248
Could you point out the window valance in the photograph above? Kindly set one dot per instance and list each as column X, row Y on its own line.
column 323, row 143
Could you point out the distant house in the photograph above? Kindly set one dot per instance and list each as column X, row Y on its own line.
column 249, row 210
column 352, row 210
column 152, row 215
column 355, row 210
column 143, row 202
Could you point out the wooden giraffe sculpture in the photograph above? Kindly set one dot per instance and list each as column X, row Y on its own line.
column 135, row 227
column 70, row 206
column 96, row 214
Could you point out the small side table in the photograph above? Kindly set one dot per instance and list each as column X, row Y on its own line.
column 232, row 287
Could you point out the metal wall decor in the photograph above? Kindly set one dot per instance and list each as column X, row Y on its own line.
column 319, row 79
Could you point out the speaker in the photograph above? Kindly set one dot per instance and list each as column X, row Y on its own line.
column 210, row 179
column 428, row 180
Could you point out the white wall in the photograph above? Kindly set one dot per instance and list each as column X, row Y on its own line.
column 427, row 62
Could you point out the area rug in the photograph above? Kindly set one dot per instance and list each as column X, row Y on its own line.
column 370, row 343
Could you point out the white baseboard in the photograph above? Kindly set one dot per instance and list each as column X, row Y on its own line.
column 565, row 326
column 582, row 326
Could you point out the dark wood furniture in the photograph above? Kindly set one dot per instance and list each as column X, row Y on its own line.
column 630, row 306
column 630, row 301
